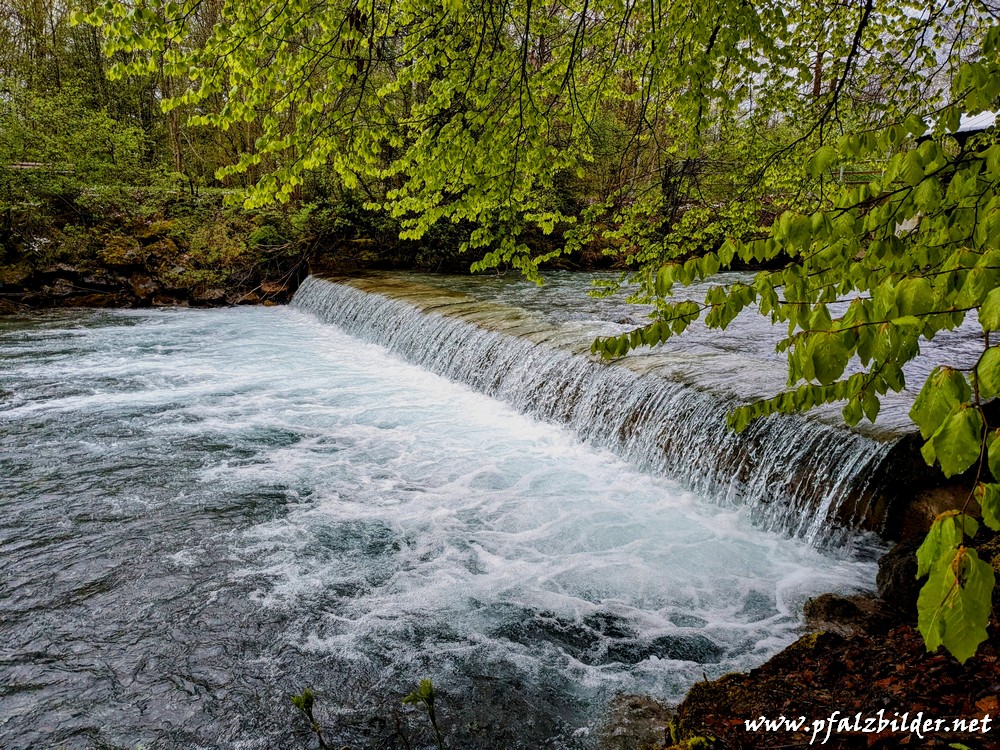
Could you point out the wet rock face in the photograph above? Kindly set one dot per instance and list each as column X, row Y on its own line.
column 243, row 298
column 104, row 300
column 850, row 615
column 209, row 296
column 604, row 638
column 635, row 722
column 163, row 300
column 60, row 288
column 142, row 286
column 274, row 287
column 917, row 493
column 897, row 578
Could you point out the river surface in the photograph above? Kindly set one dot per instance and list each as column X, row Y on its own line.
column 204, row 512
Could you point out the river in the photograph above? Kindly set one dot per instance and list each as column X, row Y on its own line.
column 203, row 512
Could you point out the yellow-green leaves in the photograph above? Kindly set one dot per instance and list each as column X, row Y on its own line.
column 958, row 440
column 912, row 169
column 954, row 604
column 829, row 356
column 993, row 452
column 953, row 608
column 914, row 296
column 989, row 313
column 946, row 534
column 928, row 196
column 988, row 497
column 673, row 319
column 943, row 392
column 821, row 160
column 988, row 373
column 952, row 427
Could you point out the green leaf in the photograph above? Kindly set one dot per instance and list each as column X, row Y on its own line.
column 915, row 125
column 953, row 608
column 927, row 195
column 927, row 451
column 823, row 158
column 423, row 694
column 988, row 497
column 664, row 280
column 958, row 440
column 304, row 701
column 912, row 170
column 944, row 390
column 946, row 535
column 988, row 373
column 914, row 296
column 829, row 356
column 993, row 453
column 739, row 419
column 989, row 313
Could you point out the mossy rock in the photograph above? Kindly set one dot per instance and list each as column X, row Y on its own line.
column 164, row 252
column 14, row 274
column 157, row 228
column 120, row 250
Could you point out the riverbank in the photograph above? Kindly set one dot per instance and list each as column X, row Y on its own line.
column 161, row 246
column 147, row 247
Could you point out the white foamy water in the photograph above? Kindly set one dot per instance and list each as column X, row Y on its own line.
column 816, row 480
column 204, row 512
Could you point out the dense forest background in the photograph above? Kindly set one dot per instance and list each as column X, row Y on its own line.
column 107, row 199
column 96, row 177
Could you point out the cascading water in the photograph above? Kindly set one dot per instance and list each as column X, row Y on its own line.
column 202, row 512
column 799, row 476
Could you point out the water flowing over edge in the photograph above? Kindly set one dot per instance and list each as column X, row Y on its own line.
column 794, row 475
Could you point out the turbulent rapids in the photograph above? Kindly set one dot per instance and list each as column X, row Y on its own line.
column 795, row 475
column 202, row 512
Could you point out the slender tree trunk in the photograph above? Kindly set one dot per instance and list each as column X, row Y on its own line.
column 818, row 74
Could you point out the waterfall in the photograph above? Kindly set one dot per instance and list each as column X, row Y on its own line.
column 793, row 474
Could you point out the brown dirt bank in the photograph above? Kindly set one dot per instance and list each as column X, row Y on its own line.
column 866, row 673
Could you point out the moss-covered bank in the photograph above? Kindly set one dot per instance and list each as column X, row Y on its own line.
column 134, row 247
column 160, row 245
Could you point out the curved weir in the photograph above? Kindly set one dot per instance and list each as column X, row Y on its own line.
column 800, row 476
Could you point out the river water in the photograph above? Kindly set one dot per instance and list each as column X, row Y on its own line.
column 203, row 512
